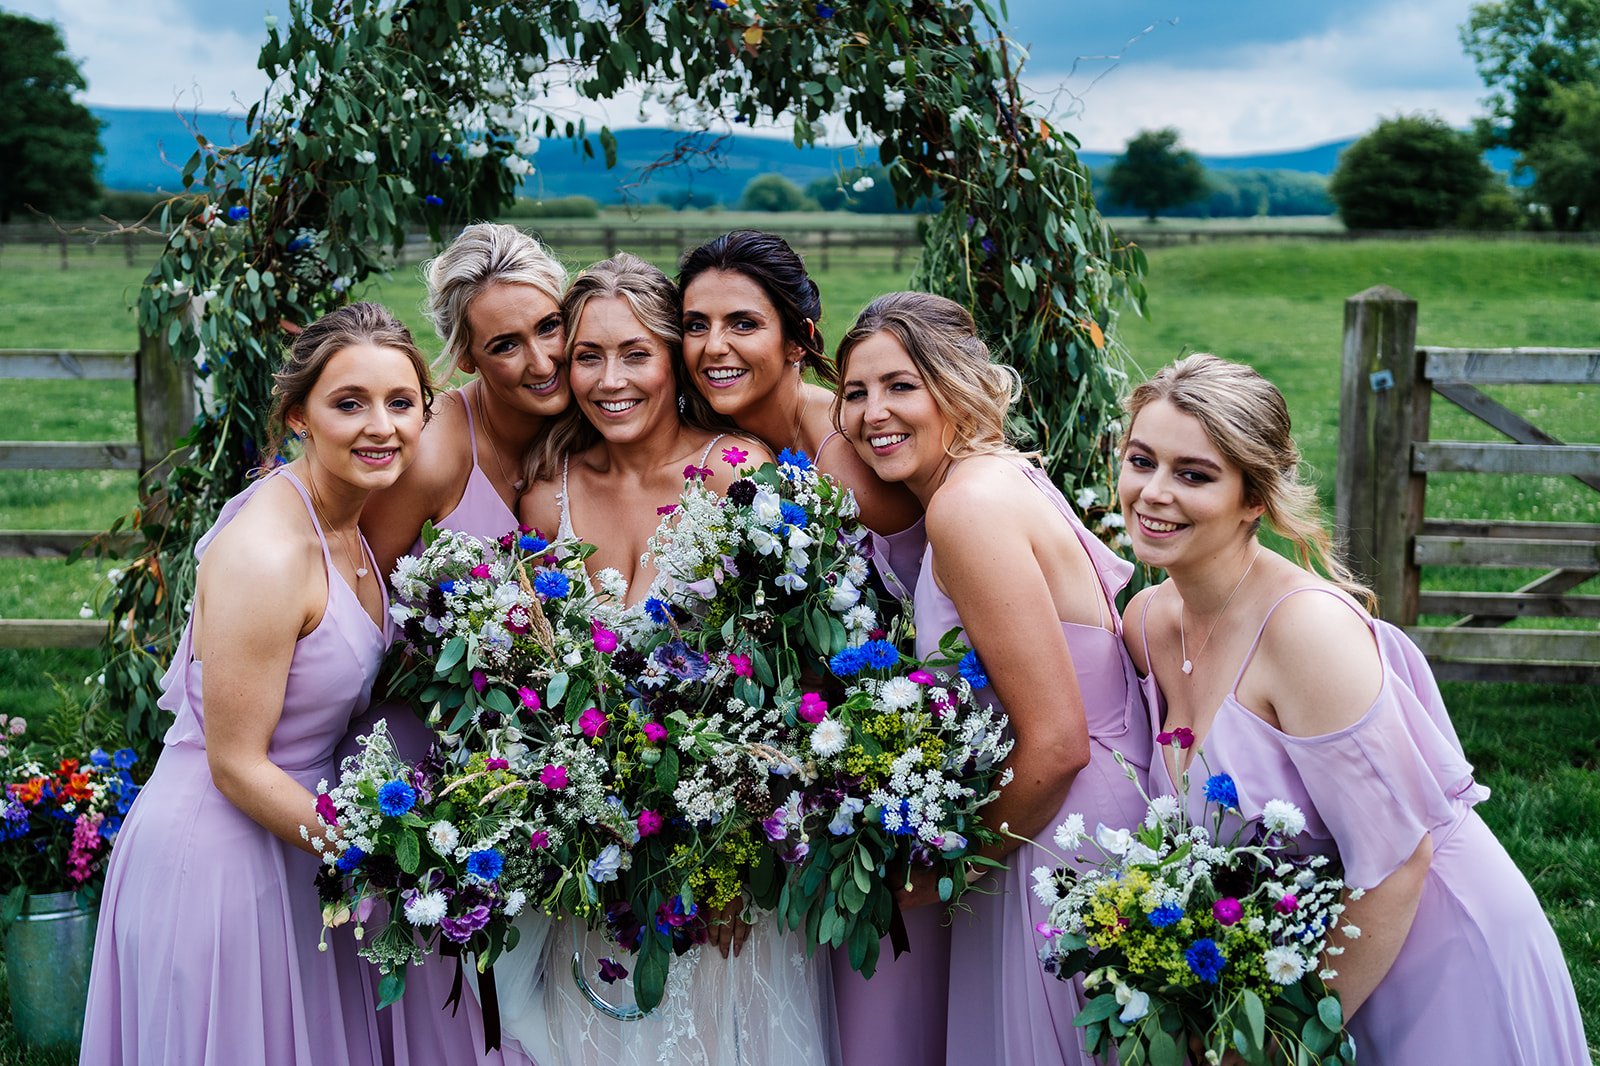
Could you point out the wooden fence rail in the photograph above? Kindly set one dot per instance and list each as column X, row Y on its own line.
column 165, row 397
column 1385, row 457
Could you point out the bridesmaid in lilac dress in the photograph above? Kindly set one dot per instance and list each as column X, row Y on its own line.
column 1034, row 592
column 494, row 297
column 207, row 950
column 1282, row 680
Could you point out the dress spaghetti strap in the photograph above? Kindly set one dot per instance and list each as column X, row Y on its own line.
column 316, row 522
column 1250, row 654
column 564, row 530
column 824, row 444
column 472, row 428
column 707, row 453
column 1144, row 635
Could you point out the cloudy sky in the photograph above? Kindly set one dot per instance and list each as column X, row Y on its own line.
column 1235, row 78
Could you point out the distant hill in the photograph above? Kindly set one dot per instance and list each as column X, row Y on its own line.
column 136, row 139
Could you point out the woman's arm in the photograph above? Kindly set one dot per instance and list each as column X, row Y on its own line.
column 248, row 641
column 988, row 569
column 885, row 508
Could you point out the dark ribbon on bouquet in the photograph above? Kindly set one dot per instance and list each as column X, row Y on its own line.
column 897, row 929
column 486, row 992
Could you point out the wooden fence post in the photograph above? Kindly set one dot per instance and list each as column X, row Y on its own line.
column 1383, row 408
column 164, row 393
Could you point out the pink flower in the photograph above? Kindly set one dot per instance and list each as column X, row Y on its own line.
column 695, row 473
column 1046, row 930
column 921, row 677
column 1227, row 910
column 481, row 570
column 593, row 722
column 739, row 664
column 1286, row 903
column 604, row 639
column 649, row 823
column 518, row 620
column 668, row 509
column 553, row 777
column 655, row 732
column 734, row 456
column 496, row 764
column 529, row 698
column 480, row 680
column 812, row 708
column 539, row 841
column 326, row 810
column 85, row 843
column 1183, row 737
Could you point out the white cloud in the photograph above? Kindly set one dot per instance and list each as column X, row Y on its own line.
column 1293, row 94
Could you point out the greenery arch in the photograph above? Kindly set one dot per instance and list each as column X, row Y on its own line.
column 381, row 111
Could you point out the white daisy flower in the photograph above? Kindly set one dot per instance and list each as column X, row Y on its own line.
column 1070, row 833
column 443, row 837
column 426, row 909
column 828, row 739
column 899, row 694
column 1281, row 816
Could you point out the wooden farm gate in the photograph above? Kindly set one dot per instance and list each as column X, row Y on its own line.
column 165, row 397
column 1385, row 457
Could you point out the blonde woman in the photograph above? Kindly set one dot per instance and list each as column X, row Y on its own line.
column 1034, row 594
column 1286, row 684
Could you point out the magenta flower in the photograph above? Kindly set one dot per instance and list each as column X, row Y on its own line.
column 496, row 764
column 695, row 473
column 668, row 509
column 739, row 664
column 604, row 639
column 593, row 722
column 1227, row 910
column 812, row 708
column 734, row 456
column 1286, row 903
column 650, row 823
column 921, row 677
column 553, row 777
column 529, row 698
column 326, row 810
column 481, row 570
column 1183, row 737
column 480, row 680
column 1046, row 930
column 539, row 841
column 655, row 732
column 518, row 620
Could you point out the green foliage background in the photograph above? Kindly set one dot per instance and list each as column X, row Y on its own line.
column 48, row 141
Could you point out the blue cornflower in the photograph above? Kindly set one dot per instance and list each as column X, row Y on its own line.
column 396, row 798
column 1206, row 960
column 99, row 757
column 433, row 201
column 530, row 543
column 972, row 669
column 439, row 160
column 552, row 584
column 296, row 245
column 124, row 758
column 824, row 11
column 879, row 654
column 350, row 859
column 1221, row 789
column 793, row 513
column 658, row 611
column 1165, row 915
column 238, row 213
column 904, row 827
column 719, row 5
column 447, row 586
column 795, row 458
column 486, row 864
column 848, row 662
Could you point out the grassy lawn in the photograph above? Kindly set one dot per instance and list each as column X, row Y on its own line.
column 1275, row 304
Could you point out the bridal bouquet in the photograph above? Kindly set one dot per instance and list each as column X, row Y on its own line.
column 898, row 773
column 1189, row 931
column 774, row 572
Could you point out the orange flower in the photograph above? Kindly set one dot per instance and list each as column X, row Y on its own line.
column 29, row 791
column 77, row 787
column 68, row 766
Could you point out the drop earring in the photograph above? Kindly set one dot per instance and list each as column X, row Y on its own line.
column 683, row 403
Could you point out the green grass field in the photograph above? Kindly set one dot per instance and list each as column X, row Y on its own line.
column 1275, row 304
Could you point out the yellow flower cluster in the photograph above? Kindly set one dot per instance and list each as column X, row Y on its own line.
column 485, row 781
column 722, row 874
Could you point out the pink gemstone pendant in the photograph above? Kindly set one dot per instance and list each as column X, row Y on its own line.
column 1188, row 667
column 362, row 572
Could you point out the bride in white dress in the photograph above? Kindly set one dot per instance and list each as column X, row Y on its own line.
column 638, row 422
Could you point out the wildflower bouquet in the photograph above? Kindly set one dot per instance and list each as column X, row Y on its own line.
column 898, row 773
column 775, row 572
column 1199, row 933
column 60, row 816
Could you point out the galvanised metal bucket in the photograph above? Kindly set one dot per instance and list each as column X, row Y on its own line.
column 48, row 949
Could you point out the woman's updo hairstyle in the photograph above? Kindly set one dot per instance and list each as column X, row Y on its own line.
column 357, row 323
column 767, row 260
column 486, row 253
column 1247, row 419
column 972, row 390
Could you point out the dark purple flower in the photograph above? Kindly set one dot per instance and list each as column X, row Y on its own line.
column 611, row 970
column 461, row 929
column 680, row 660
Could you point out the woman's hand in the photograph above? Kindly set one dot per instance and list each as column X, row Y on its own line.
column 727, row 930
column 923, row 890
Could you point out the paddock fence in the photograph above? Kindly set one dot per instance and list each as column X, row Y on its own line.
column 164, row 396
column 1386, row 456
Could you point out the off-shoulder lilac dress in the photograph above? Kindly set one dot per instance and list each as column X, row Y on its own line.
column 417, row 1030
column 206, row 952
column 1480, row 978
column 977, row 993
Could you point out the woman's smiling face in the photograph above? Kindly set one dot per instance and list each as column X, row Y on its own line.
column 621, row 373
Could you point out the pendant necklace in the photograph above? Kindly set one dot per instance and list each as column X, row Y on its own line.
column 483, row 411
column 1183, row 643
column 344, row 542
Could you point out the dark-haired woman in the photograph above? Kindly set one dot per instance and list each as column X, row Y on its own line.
column 207, row 950
column 750, row 331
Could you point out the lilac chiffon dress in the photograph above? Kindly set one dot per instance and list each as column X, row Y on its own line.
column 975, row 991
column 206, row 953
column 1480, row 977
column 417, row 1030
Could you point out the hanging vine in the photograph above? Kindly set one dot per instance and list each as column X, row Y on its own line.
column 386, row 113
